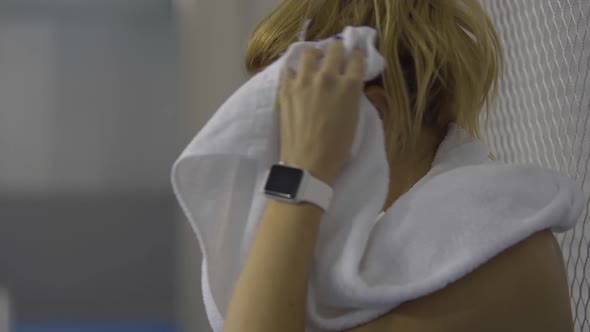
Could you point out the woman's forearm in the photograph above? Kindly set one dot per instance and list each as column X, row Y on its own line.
column 271, row 291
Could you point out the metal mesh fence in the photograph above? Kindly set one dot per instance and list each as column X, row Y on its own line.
column 542, row 113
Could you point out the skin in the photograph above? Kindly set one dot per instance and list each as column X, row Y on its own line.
column 523, row 289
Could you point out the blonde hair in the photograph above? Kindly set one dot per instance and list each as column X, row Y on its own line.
column 442, row 56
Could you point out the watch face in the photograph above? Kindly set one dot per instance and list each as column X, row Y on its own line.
column 283, row 181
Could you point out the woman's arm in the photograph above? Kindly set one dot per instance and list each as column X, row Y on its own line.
column 319, row 106
column 271, row 291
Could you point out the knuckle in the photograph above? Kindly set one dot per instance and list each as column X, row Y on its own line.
column 353, row 81
column 310, row 51
column 324, row 77
column 307, row 52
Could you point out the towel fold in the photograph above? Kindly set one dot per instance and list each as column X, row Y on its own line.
column 465, row 211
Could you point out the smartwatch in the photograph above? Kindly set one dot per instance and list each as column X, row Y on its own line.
column 296, row 185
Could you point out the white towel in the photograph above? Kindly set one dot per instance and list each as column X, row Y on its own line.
column 466, row 210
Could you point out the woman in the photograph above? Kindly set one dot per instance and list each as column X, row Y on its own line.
column 442, row 58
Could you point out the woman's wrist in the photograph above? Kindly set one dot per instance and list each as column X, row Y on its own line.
column 322, row 172
column 327, row 177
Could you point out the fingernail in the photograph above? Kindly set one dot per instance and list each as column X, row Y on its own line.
column 336, row 37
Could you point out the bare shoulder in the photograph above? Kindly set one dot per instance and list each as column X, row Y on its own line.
column 522, row 289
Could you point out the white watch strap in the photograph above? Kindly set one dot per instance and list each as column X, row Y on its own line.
column 315, row 191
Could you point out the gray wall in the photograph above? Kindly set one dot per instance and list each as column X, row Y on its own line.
column 89, row 118
column 88, row 258
column 79, row 89
column 90, row 123
column 213, row 39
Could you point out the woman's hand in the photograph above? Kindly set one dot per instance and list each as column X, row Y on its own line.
column 319, row 107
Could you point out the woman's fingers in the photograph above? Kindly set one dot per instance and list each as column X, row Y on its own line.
column 334, row 57
column 332, row 63
column 309, row 63
column 355, row 68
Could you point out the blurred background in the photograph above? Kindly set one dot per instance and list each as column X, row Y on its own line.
column 92, row 115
